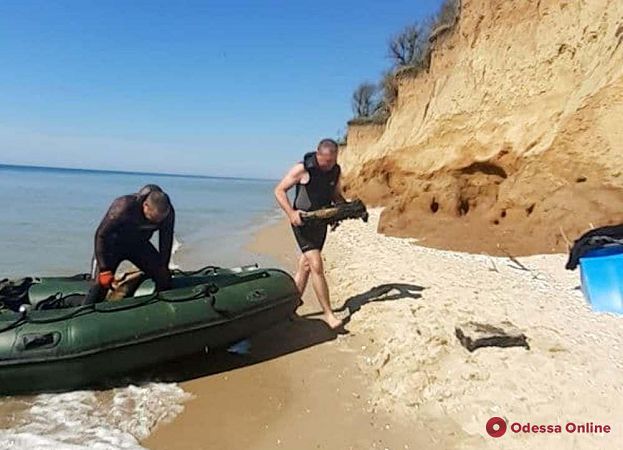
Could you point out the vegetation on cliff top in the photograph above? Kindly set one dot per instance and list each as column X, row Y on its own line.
column 409, row 52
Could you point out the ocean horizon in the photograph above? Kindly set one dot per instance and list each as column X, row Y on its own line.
column 126, row 172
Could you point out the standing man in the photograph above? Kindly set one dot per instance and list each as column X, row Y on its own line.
column 317, row 181
column 124, row 234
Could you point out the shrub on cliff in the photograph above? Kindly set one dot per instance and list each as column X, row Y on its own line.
column 365, row 101
column 389, row 91
column 377, row 119
column 410, row 53
column 409, row 47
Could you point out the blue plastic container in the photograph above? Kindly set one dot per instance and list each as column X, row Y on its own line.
column 602, row 278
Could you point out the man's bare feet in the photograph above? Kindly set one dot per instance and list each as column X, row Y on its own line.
column 332, row 321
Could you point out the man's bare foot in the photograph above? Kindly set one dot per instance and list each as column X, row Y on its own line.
column 332, row 321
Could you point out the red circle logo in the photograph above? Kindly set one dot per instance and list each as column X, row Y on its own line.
column 496, row 427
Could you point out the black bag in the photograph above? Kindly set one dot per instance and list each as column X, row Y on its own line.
column 14, row 293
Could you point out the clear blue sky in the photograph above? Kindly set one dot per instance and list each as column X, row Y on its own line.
column 231, row 88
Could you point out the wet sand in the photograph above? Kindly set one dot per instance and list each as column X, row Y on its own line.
column 299, row 388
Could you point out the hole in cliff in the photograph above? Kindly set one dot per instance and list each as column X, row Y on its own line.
column 434, row 206
column 463, row 207
column 529, row 209
column 503, row 213
column 486, row 168
column 496, row 222
column 580, row 179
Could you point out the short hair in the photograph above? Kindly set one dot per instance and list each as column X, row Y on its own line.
column 160, row 202
column 148, row 188
column 329, row 144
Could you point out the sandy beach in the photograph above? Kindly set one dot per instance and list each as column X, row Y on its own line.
column 299, row 388
column 572, row 371
column 401, row 379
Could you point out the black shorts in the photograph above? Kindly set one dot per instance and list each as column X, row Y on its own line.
column 310, row 236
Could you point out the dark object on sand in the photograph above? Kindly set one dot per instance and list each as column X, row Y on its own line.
column 333, row 215
column 55, row 344
column 594, row 239
column 473, row 335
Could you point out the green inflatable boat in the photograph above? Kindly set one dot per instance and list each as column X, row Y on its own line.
column 51, row 344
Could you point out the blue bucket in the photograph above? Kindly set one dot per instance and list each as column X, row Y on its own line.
column 602, row 278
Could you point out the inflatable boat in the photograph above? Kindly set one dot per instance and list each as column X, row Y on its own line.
column 54, row 343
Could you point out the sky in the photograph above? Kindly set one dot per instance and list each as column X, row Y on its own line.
column 221, row 88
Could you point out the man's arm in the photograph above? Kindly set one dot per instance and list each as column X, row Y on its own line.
column 165, row 238
column 115, row 216
column 293, row 177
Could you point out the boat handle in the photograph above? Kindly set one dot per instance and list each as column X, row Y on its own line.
column 33, row 341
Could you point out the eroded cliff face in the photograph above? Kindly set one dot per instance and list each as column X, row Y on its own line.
column 513, row 137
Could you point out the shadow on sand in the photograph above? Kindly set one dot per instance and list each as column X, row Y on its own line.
column 381, row 293
column 299, row 333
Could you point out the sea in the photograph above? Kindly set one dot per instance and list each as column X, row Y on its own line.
column 48, row 218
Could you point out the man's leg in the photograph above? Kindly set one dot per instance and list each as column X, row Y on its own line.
column 146, row 258
column 302, row 274
column 96, row 294
column 321, row 288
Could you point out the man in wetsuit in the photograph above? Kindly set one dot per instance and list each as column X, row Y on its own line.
column 317, row 181
column 124, row 234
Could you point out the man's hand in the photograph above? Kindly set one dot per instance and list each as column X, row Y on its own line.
column 105, row 279
column 295, row 218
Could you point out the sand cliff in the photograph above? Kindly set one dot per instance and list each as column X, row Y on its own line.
column 511, row 137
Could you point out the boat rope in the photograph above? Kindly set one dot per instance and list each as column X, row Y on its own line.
column 195, row 272
column 207, row 290
column 201, row 291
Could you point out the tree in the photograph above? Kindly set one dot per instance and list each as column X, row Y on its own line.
column 408, row 48
column 364, row 101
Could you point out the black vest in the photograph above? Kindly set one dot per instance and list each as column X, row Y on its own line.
column 319, row 190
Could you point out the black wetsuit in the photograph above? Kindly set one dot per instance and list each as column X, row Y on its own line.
column 317, row 193
column 124, row 234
